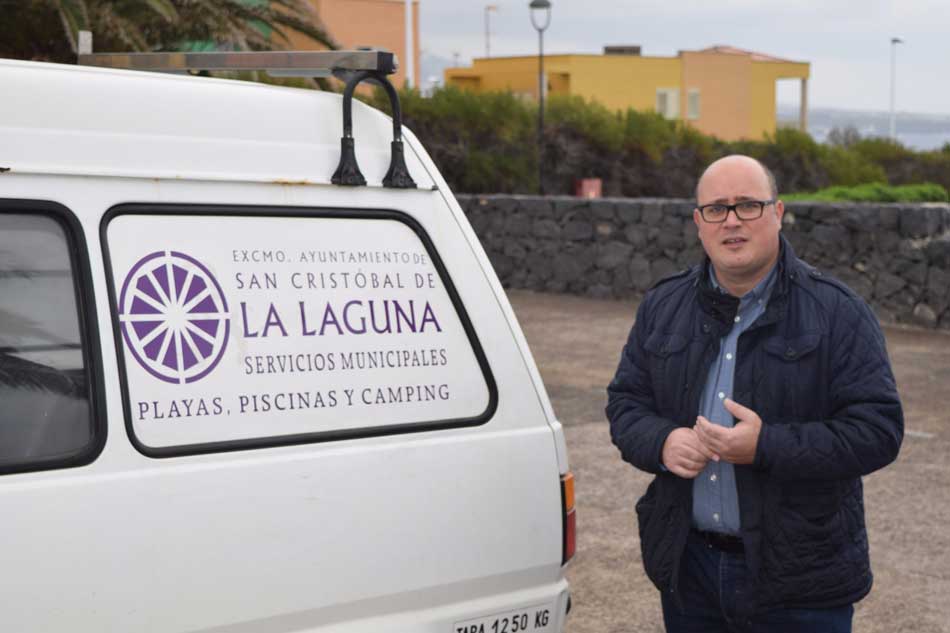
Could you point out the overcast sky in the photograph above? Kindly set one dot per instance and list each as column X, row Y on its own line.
column 846, row 42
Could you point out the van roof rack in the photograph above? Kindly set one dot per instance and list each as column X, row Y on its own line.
column 277, row 63
column 353, row 67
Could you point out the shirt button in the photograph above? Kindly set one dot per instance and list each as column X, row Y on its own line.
column 738, row 318
column 721, row 395
column 728, row 356
column 716, row 517
column 713, row 477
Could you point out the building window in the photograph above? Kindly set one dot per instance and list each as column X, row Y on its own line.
column 692, row 104
column 667, row 102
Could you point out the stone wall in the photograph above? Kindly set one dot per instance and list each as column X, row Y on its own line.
column 897, row 256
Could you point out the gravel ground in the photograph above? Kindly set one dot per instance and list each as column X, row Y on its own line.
column 576, row 343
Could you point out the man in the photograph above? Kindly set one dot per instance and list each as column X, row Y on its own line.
column 758, row 391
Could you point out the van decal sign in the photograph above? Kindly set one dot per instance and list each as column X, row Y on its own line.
column 174, row 317
column 256, row 327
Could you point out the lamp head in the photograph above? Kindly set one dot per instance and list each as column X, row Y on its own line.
column 540, row 14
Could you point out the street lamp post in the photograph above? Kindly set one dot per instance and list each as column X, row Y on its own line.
column 540, row 19
column 894, row 42
column 410, row 58
column 488, row 9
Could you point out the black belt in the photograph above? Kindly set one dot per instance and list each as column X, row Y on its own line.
column 722, row 542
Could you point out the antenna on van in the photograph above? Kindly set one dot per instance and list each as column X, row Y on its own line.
column 354, row 67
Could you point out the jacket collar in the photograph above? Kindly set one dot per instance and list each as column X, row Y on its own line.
column 723, row 307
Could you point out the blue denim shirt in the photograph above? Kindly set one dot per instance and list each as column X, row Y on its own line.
column 715, row 497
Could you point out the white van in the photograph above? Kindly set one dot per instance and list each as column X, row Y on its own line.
column 237, row 397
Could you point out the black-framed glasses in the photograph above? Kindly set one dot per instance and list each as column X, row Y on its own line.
column 745, row 210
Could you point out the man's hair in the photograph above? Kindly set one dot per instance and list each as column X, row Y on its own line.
column 773, row 187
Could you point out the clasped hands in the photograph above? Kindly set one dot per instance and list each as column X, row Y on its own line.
column 687, row 450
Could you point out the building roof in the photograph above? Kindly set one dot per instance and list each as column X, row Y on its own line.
column 756, row 57
column 720, row 49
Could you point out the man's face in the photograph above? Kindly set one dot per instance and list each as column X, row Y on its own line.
column 741, row 250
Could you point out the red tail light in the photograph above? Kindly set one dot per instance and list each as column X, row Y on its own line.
column 569, row 518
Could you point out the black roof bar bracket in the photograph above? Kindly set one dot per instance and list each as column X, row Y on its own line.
column 348, row 172
column 353, row 66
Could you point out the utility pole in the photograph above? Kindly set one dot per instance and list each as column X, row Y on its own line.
column 894, row 42
column 410, row 58
column 488, row 10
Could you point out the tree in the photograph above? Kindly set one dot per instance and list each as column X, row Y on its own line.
column 47, row 30
column 847, row 136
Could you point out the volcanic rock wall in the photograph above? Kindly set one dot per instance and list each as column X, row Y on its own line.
column 897, row 256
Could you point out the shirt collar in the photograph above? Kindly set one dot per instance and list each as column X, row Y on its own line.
column 761, row 292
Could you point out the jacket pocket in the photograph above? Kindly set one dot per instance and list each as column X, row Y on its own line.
column 645, row 507
column 812, row 517
column 654, row 519
column 791, row 350
column 814, row 501
column 667, row 360
column 663, row 345
column 807, row 544
column 791, row 368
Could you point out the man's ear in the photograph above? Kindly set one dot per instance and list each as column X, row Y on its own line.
column 697, row 217
column 779, row 212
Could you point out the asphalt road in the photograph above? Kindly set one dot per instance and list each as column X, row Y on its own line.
column 576, row 343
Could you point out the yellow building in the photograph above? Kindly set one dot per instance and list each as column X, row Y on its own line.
column 723, row 91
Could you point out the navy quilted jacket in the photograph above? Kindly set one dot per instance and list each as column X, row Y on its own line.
column 814, row 367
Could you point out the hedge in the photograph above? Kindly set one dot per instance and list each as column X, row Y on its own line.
column 487, row 143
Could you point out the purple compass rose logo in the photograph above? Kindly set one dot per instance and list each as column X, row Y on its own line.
column 174, row 317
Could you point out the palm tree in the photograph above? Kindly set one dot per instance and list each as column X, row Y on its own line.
column 47, row 29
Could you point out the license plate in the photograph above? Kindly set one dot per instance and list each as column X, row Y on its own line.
column 526, row 619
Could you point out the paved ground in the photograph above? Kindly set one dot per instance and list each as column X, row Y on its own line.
column 576, row 343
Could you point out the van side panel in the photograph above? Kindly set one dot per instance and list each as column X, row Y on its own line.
column 408, row 532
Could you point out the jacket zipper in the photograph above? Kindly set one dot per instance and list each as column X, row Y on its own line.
column 692, row 396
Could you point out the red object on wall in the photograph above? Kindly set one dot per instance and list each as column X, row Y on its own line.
column 588, row 187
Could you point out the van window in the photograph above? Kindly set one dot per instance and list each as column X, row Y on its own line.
column 256, row 327
column 45, row 415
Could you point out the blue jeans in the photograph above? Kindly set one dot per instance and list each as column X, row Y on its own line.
column 714, row 590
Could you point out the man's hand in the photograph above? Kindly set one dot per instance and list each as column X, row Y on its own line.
column 735, row 445
column 684, row 455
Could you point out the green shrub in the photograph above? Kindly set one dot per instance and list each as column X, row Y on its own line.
column 796, row 159
column 933, row 166
column 849, row 168
column 876, row 192
column 881, row 150
column 648, row 132
column 602, row 127
column 482, row 142
column 903, row 165
column 487, row 143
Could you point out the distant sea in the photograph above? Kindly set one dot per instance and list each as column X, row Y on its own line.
column 917, row 131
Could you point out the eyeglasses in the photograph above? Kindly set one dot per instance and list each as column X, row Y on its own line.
column 746, row 210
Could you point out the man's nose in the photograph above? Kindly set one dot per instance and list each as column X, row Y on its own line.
column 732, row 218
